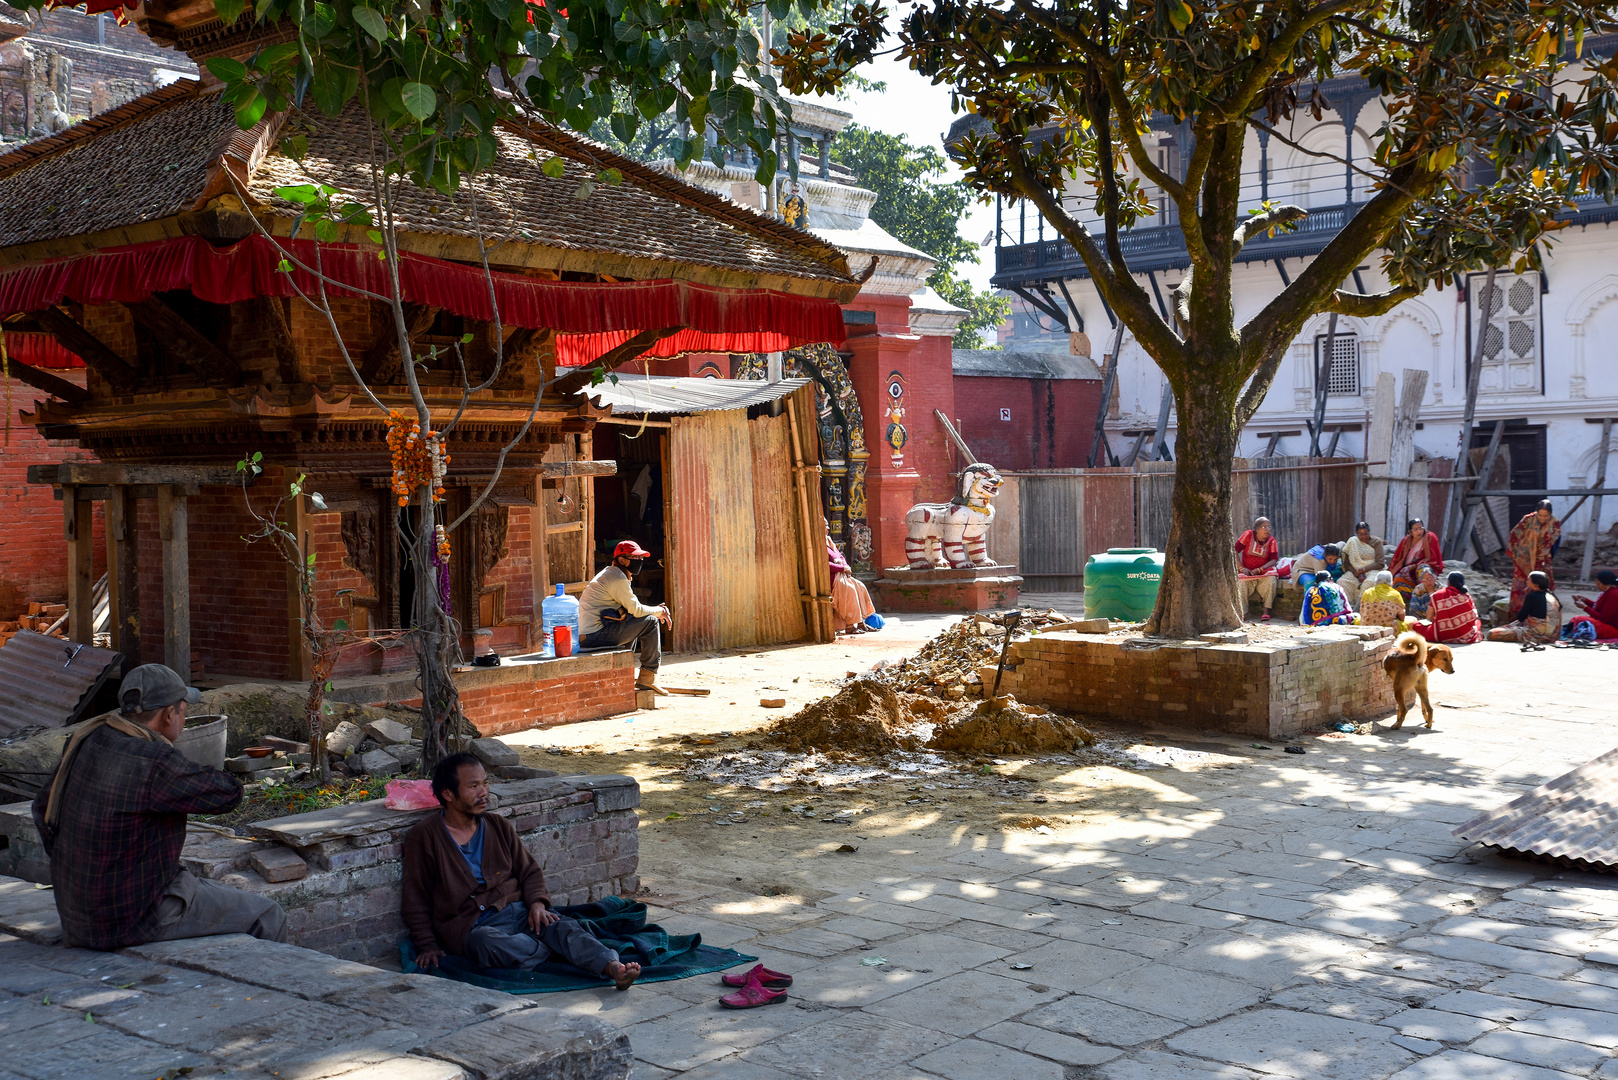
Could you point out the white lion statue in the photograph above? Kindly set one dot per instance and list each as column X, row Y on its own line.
column 942, row 536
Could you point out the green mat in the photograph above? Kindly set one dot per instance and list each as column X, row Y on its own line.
column 621, row 926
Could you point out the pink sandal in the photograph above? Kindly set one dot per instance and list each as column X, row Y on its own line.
column 772, row 980
column 752, row 995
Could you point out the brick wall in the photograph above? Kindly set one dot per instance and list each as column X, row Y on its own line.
column 582, row 830
column 1047, row 429
column 33, row 554
column 516, row 573
column 516, row 697
column 1269, row 689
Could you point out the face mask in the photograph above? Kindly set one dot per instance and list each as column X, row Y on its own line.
column 635, row 565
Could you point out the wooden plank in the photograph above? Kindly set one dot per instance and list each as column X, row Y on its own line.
column 173, row 525
column 123, row 577
column 40, row 379
column 1474, row 377
column 1595, row 507
column 191, row 346
column 1464, row 528
column 86, row 472
column 554, row 469
column 1378, row 443
column 539, row 565
column 587, row 506
column 78, row 528
column 1402, row 452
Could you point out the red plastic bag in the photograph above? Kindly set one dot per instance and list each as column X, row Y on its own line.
column 410, row 795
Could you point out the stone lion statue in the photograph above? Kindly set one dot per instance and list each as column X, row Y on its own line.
column 942, row 536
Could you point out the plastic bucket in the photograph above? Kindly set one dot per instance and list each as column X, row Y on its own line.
column 203, row 740
column 562, row 636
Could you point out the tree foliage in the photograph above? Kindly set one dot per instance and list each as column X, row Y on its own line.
column 918, row 206
column 1067, row 89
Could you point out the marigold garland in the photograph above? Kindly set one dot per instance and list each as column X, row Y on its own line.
column 417, row 460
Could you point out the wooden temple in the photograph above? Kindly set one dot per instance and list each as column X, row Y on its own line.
column 148, row 245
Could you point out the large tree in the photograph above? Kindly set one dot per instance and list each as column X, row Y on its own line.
column 1068, row 89
column 919, row 206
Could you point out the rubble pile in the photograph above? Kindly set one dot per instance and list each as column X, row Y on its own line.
column 866, row 715
column 1569, row 558
column 37, row 616
column 1484, row 589
column 947, row 666
column 1004, row 725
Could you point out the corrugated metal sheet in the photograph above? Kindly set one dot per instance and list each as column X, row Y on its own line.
column 1573, row 817
column 680, row 396
column 1051, row 511
column 736, row 541
column 47, row 681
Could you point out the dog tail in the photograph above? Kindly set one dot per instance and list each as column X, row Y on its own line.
column 1411, row 644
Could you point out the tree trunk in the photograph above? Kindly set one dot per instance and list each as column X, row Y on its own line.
column 438, row 649
column 1198, row 594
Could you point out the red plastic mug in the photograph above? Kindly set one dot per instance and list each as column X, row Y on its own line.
column 562, row 636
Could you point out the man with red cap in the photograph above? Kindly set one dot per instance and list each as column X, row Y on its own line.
column 611, row 614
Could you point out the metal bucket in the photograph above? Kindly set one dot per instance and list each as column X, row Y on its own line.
column 203, row 740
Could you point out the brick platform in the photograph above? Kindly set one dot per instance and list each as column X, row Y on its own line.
column 987, row 588
column 1271, row 689
column 519, row 694
column 581, row 829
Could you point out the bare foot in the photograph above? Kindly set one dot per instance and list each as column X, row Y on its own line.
column 623, row 975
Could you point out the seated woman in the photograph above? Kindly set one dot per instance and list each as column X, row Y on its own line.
column 1602, row 613
column 1381, row 604
column 852, row 609
column 1453, row 618
column 1417, row 548
column 1325, row 603
column 1320, row 561
column 1422, row 595
column 1257, row 553
column 1540, row 620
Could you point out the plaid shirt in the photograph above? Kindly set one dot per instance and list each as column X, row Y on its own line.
column 118, row 837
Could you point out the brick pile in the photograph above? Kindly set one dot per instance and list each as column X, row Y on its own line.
column 337, row 871
column 1270, row 689
column 37, row 616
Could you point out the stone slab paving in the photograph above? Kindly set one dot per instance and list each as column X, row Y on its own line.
column 256, row 1010
column 1296, row 917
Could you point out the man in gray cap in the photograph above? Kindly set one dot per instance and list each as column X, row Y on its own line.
column 112, row 818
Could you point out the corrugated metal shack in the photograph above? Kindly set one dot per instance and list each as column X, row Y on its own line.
column 742, row 529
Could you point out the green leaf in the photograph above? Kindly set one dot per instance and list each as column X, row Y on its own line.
column 554, row 167
column 371, row 21
column 296, row 147
column 466, row 339
column 227, row 70
column 229, row 11
column 251, row 111
column 311, row 559
column 321, row 21
column 302, row 194
column 418, row 99
column 339, row 625
column 1180, row 14
column 374, row 236
column 611, row 176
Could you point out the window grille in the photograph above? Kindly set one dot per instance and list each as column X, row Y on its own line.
column 1344, row 375
column 1510, row 329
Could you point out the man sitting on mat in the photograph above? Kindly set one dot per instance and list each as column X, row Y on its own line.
column 472, row 889
column 611, row 614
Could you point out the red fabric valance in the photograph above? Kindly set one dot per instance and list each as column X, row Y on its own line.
column 584, row 314
column 40, row 350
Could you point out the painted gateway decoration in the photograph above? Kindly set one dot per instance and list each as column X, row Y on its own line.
column 951, row 535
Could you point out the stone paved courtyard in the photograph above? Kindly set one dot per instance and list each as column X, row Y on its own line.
column 1287, row 916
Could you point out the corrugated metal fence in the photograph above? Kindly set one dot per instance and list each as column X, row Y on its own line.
column 1067, row 515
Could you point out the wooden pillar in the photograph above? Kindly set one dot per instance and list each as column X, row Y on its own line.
column 123, row 577
column 173, row 527
column 1595, row 507
column 78, row 527
column 539, row 562
column 587, row 508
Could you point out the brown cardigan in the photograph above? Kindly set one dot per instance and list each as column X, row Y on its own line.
column 441, row 897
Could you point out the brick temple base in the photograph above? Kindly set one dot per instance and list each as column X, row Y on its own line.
column 986, row 588
column 1271, row 689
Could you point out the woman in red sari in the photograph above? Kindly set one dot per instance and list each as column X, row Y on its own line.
column 1603, row 610
column 1453, row 618
column 1418, row 548
column 1532, row 542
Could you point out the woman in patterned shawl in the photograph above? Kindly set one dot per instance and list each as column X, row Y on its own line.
column 1325, row 603
column 1532, row 542
column 1381, row 604
column 1540, row 620
column 1454, row 616
column 1417, row 548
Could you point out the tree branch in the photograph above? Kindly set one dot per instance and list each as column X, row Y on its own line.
column 1362, row 306
column 1275, row 216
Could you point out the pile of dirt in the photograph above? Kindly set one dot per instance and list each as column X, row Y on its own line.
column 947, row 666
column 866, row 715
column 259, row 709
column 1005, row 725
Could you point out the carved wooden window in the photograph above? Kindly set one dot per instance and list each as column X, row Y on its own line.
column 1511, row 330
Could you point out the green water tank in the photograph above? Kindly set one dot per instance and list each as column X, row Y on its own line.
column 1122, row 584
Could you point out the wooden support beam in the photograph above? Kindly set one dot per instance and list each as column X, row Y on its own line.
column 78, row 528
column 550, row 470
column 1595, row 507
column 1464, row 527
column 103, row 492
column 539, row 563
column 193, row 348
column 119, row 373
column 383, row 361
column 1402, row 453
column 123, row 577
column 173, row 527
column 54, row 385
column 613, row 358
column 89, row 472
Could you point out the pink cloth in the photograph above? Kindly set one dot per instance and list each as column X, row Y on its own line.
column 410, row 795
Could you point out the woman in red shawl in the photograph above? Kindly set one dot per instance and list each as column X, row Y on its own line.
column 1452, row 617
column 1603, row 610
column 1418, row 548
column 1532, row 542
column 1257, row 553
